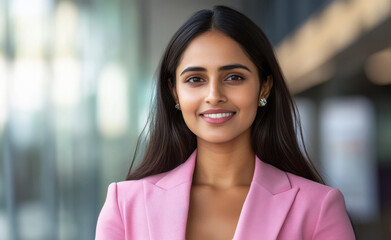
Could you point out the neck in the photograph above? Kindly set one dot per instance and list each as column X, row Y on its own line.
column 224, row 165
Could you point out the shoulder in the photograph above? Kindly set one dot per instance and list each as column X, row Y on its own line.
column 312, row 199
column 310, row 194
column 308, row 186
column 318, row 209
column 138, row 183
column 131, row 188
column 276, row 181
column 125, row 195
column 315, row 194
column 321, row 207
column 124, row 203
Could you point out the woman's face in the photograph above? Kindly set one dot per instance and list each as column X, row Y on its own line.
column 217, row 88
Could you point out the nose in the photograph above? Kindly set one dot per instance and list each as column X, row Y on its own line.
column 215, row 93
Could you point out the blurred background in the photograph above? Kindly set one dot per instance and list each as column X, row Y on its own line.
column 76, row 83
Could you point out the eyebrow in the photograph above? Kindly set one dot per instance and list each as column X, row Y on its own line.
column 222, row 68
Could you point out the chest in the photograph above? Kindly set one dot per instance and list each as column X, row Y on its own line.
column 214, row 214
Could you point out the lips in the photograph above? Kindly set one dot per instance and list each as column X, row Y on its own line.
column 217, row 116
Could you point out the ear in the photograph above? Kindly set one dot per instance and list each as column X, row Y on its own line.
column 266, row 87
column 173, row 90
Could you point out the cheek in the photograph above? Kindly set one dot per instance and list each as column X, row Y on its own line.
column 189, row 101
column 247, row 103
column 187, row 98
column 246, row 100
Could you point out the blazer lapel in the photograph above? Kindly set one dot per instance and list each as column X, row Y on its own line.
column 267, row 204
column 167, row 202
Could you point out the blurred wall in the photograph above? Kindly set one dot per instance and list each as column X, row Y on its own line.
column 76, row 83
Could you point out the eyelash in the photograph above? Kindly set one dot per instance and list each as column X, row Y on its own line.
column 191, row 79
column 236, row 76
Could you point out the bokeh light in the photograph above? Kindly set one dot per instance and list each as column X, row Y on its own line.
column 76, row 82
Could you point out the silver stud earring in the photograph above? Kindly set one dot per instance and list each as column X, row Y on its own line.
column 262, row 102
column 177, row 106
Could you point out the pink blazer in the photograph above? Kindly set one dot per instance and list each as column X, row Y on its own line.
column 279, row 205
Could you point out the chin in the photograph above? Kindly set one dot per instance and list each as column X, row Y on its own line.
column 215, row 139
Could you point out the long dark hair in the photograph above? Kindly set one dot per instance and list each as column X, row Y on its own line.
column 274, row 137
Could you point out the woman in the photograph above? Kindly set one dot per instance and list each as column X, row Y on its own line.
column 222, row 160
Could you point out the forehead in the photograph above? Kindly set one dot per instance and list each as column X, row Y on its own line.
column 212, row 50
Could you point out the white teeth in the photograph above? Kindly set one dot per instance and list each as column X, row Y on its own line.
column 218, row 115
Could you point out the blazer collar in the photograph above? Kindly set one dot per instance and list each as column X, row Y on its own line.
column 268, row 201
column 179, row 175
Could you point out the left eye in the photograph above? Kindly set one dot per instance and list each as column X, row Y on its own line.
column 234, row 78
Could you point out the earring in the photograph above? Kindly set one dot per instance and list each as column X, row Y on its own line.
column 262, row 102
column 177, row 106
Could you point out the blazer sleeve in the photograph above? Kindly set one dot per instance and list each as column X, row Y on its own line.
column 333, row 221
column 110, row 224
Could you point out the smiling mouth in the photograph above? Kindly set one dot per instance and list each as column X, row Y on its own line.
column 218, row 115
